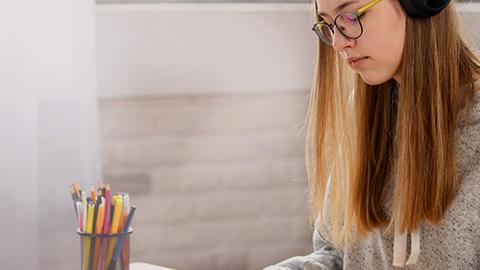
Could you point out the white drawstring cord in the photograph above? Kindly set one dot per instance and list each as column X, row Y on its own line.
column 400, row 248
column 415, row 236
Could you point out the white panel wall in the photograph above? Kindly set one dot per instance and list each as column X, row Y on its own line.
column 49, row 132
column 203, row 48
column 149, row 49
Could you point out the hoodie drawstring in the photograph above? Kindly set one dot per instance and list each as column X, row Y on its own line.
column 400, row 248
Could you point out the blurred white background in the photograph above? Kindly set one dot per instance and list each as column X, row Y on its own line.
column 196, row 109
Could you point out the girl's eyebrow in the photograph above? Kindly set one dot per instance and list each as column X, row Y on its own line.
column 339, row 8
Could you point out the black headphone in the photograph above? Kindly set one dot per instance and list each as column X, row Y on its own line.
column 423, row 8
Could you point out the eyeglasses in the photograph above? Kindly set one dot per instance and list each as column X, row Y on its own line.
column 348, row 23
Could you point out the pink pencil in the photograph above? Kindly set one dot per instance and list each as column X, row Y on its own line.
column 105, row 225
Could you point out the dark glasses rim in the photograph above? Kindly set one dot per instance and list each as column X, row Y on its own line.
column 330, row 26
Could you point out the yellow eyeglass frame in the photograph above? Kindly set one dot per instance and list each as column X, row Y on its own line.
column 359, row 12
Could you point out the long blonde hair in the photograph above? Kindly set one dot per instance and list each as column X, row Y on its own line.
column 359, row 139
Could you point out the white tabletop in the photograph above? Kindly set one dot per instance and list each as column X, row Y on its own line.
column 146, row 266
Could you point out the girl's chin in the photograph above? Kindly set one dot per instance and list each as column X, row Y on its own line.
column 372, row 78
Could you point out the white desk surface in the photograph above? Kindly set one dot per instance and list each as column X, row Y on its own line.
column 146, row 266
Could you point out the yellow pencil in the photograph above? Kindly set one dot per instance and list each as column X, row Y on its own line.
column 100, row 216
column 117, row 213
column 98, row 230
column 86, row 249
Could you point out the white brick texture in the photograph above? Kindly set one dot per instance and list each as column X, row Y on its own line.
column 219, row 181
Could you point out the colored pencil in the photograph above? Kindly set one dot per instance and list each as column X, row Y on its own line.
column 118, row 202
column 88, row 239
column 84, row 211
column 106, row 224
column 125, row 251
column 121, row 239
column 98, row 230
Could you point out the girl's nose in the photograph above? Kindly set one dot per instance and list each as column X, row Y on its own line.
column 340, row 41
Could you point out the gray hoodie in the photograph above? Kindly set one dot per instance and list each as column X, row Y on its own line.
column 452, row 244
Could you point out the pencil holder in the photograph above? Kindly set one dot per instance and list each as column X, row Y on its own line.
column 105, row 251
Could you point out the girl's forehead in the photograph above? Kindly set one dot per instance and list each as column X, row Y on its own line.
column 330, row 8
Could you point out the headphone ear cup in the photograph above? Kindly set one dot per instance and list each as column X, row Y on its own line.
column 423, row 8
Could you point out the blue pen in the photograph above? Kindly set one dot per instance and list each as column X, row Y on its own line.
column 118, row 248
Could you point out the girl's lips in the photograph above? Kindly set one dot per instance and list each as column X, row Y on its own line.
column 358, row 62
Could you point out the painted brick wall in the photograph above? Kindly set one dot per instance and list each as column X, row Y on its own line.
column 219, row 180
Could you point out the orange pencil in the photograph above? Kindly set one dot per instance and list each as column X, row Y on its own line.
column 93, row 194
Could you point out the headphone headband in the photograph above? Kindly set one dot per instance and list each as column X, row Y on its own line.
column 423, row 8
